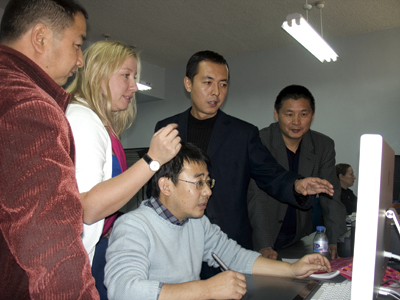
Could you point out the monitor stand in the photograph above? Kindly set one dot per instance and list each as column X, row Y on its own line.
column 391, row 213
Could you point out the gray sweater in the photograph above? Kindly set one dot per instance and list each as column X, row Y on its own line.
column 145, row 249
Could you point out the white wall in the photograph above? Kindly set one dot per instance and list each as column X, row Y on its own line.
column 360, row 93
column 156, row 76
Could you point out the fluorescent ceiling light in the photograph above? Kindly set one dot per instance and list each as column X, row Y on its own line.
column 143, row 86
column 299, row 29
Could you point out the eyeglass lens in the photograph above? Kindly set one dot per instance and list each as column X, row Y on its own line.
column 202, row 183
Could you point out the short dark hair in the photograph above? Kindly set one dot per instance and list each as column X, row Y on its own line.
column 188, row 153
column 192, row 67
column 20, row 15
column 294, row 92
column 342, row 169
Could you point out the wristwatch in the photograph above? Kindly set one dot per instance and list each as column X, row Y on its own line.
column 153, row 164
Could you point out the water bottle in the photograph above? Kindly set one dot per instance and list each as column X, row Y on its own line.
column 320, row 242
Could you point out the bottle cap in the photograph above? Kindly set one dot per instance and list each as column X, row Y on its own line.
column 320, row 228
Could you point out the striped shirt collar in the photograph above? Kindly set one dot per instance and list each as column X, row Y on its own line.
column 163, row 212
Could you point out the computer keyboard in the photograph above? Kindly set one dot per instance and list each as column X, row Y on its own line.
column 333, row 291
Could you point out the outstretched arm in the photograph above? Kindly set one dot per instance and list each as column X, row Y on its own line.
column 232, row 285
column 312, row 186
column 304, row 267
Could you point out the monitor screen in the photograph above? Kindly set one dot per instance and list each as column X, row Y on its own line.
column 372, row 233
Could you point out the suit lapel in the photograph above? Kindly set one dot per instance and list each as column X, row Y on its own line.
column 278, row 147
column 183, row 122
column 307, row 156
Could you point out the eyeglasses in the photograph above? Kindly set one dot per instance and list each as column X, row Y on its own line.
column 201, row 184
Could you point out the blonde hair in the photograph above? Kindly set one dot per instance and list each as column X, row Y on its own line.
column 102, row 60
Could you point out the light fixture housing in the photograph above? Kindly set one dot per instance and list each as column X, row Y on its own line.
column 305, row 34
column 144, row 86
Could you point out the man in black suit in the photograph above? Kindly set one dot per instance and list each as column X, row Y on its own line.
column 235, row 151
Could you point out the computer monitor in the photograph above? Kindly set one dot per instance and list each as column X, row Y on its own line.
column 372, row 233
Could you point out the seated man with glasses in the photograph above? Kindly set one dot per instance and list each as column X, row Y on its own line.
column 157, row 250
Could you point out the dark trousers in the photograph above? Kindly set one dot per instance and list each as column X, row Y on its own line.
column 98, row 265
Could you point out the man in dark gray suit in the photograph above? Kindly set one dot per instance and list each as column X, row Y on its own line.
column 303, row 151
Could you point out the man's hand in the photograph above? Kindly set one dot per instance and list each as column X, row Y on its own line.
column 269, row 253
column 312, row 186
column 309, row 264
column 333, row 251
column 227, row 285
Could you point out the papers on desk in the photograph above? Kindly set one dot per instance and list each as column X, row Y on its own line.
column 318, row 276
column 290, row 260
column 326, row 275
column 344, row 266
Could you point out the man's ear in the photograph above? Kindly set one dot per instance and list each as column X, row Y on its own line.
column 40, row 37
column 164, row 185
column 276, row 115
column 188, row 84
column 341, row 176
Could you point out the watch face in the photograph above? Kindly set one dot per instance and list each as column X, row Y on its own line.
column 154, row 165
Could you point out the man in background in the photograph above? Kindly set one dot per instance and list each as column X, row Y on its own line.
column 235, row 150
column 303, row 151
column 41, row 252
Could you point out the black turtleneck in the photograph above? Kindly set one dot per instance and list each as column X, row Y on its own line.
column 199, row 131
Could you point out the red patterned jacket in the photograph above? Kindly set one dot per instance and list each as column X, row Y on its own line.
column 41, row 252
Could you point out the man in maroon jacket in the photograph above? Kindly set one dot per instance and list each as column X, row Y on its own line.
column 41, row 252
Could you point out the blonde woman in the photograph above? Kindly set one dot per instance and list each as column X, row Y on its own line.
column 102, row 106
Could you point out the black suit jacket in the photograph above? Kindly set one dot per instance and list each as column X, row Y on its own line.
column 236, row 155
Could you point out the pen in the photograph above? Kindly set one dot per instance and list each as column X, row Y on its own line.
column 223, row 266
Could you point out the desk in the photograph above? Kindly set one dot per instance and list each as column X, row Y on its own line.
column 273, row 288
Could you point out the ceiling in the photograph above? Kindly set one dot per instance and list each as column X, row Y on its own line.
column 168, row 32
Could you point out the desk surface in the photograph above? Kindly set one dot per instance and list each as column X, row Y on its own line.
column 273, row 288
column 267, row 287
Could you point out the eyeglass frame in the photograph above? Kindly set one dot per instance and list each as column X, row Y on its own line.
column 200, row 185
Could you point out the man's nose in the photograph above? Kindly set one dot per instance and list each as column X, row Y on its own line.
column 80, row 62
column 215, row 89
column 206, row 191
column 296, row 119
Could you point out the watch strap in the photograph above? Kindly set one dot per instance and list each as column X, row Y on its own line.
column 147, row 158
